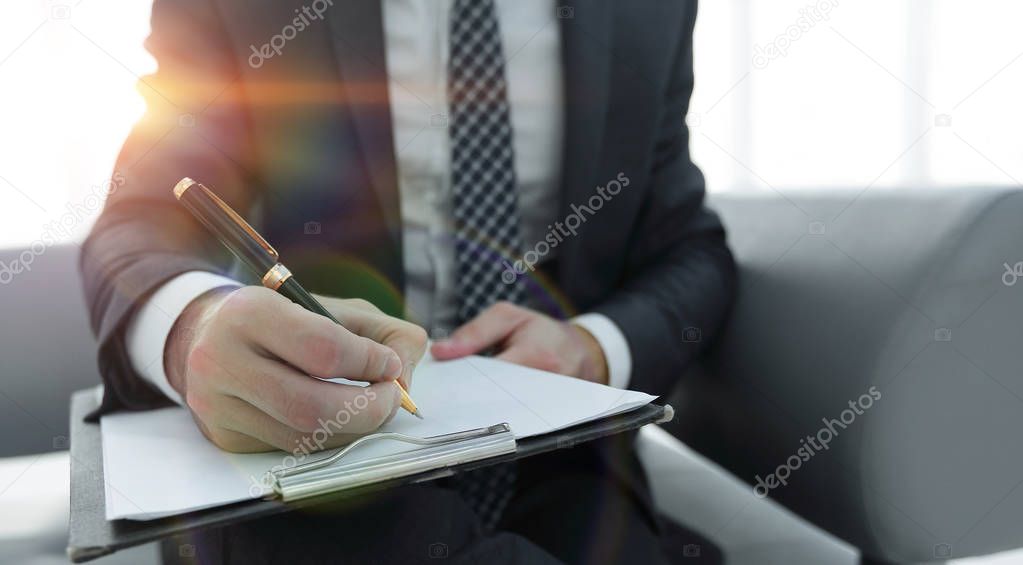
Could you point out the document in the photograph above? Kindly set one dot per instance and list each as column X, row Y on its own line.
column 158, row 464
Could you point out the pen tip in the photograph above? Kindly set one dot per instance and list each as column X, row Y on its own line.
column 417, row 415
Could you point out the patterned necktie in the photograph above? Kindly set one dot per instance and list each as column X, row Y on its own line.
column 484, row 200
column 484, row 189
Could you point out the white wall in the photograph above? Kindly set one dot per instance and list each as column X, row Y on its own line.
column 852, row 102
column 854, row 99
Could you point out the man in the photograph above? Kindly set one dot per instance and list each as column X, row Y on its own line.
column 512, row 174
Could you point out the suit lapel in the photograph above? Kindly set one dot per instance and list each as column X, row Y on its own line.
column 357, row 36
column 586, row 40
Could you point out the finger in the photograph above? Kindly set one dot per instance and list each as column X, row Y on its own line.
column 492, row 326
column 407, row 370
column 339, row 305
column 243, row 418
column 312, row 343
column 408, row 340
column 230, row 440
column 530, row 356
column 306, row 404
column 237, row 442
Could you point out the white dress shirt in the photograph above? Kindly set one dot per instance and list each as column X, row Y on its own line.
column 416, row 39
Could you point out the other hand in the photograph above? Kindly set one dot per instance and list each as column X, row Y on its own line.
column 528, row 338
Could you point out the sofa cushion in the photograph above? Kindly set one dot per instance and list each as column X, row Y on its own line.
column 900, row 290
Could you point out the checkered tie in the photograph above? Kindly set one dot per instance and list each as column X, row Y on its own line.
column 484, row 189
column 485, row 200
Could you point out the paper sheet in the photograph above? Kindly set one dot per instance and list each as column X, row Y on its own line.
column 158, row 464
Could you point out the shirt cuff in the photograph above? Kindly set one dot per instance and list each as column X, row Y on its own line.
column 149, row 328
column 612, row 342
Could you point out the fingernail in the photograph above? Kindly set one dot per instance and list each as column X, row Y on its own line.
column 406, row 373
column 393, row 366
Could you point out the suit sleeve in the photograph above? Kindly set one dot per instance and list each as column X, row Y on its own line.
column 195, row 125
column 681, row 277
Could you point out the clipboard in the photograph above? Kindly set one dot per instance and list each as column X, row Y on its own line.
column 321, row 482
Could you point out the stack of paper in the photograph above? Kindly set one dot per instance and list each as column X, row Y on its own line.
column 158, row 464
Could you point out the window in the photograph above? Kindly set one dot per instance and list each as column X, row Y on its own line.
column 836, row 93
column 789, row 93
column 68, row 72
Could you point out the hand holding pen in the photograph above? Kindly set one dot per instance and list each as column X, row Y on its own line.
column 242, row 358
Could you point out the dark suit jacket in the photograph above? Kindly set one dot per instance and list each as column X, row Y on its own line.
column 306, row 137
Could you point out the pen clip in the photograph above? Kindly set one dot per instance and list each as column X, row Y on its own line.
column 454, row 437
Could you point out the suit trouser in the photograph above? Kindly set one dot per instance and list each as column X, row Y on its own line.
column 569, row 506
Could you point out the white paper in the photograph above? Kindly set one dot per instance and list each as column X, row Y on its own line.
column 157, row 463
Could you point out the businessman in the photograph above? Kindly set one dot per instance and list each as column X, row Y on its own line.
column 513, row 175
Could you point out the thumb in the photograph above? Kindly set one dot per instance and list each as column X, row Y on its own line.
column 367, row 360
column 492, row 326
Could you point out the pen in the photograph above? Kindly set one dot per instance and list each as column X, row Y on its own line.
column 250, row 247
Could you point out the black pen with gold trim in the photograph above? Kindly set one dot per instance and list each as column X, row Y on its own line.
column 250, row 247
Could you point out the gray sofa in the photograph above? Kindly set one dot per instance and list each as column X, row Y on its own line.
column 840, row 292
column 902, row 291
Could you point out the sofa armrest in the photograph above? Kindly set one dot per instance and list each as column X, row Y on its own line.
column 700, row 495
column 46, row 347
column 897, row 294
